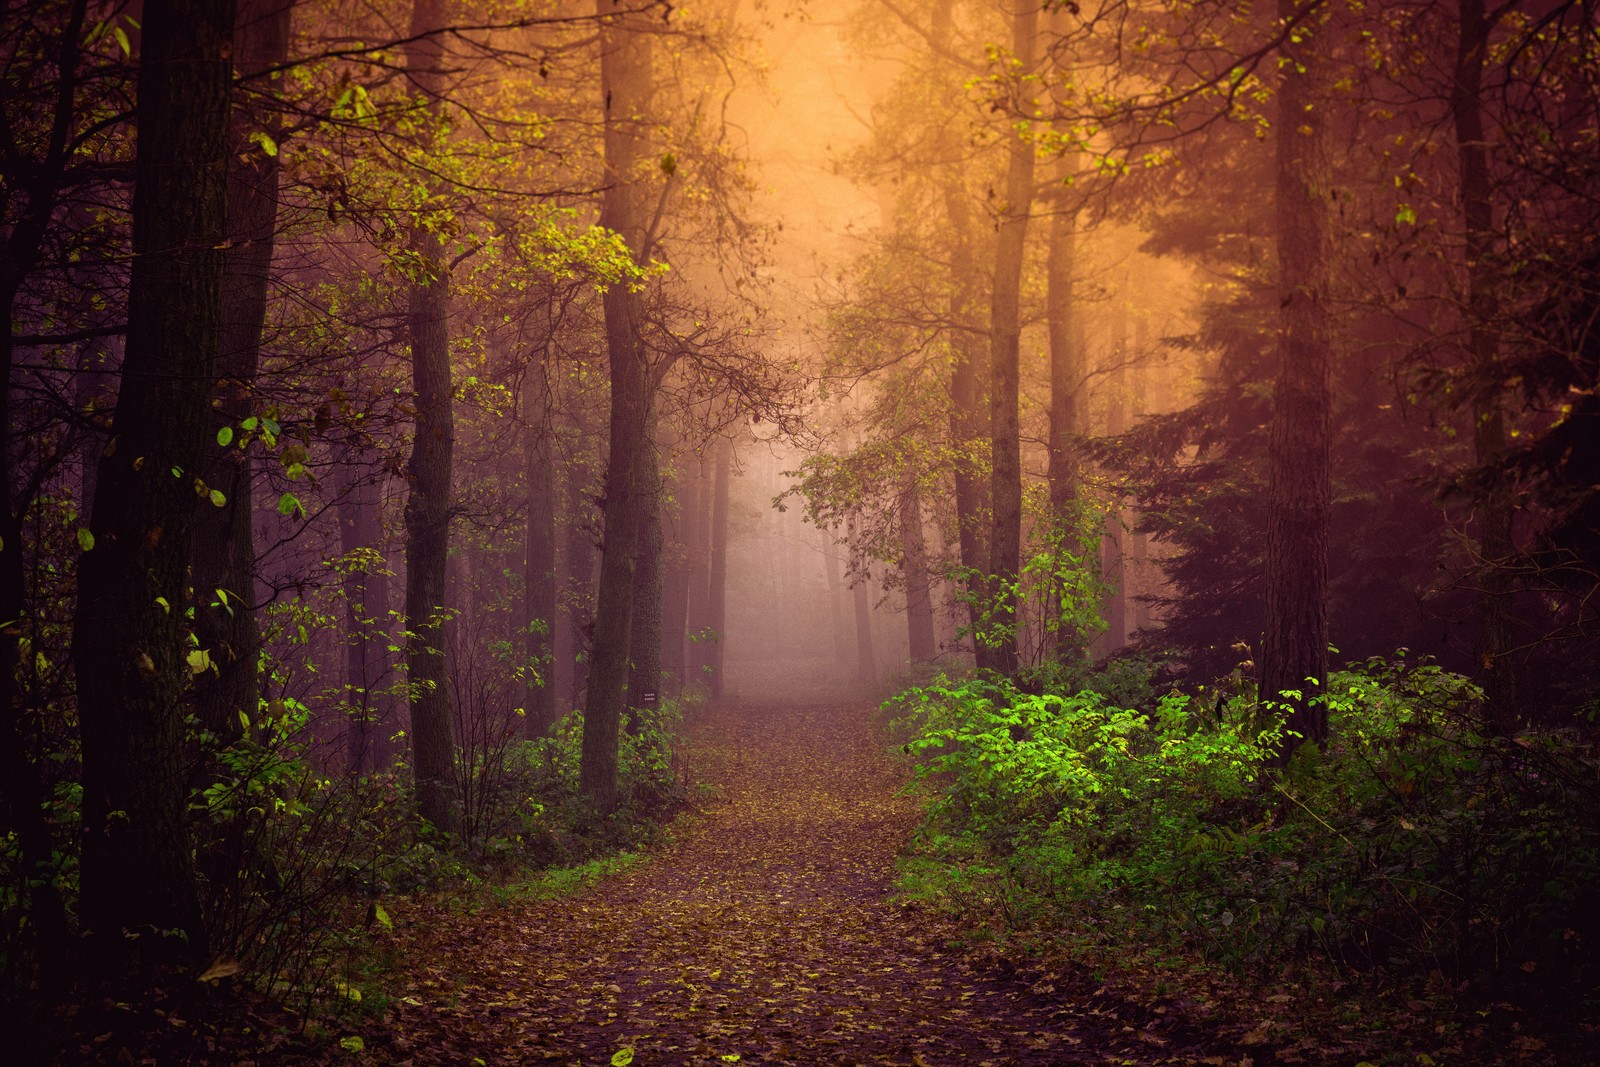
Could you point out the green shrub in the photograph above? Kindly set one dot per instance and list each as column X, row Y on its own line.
column 1414, row 844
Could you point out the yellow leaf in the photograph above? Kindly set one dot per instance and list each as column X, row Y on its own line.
column 220, row 968
column 622, row 1057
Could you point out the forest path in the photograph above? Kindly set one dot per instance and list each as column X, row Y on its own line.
column 766, row 934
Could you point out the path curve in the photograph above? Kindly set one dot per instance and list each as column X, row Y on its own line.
column 768, row 932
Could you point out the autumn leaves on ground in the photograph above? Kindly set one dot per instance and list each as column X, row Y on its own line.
column 768, row 933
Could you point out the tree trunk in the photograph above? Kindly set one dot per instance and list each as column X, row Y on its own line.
column 139, row 897
column 364, row 639
column 625, row 82
column 1113, row 536
column 717, row 590
column 1496, row 544
column 967, row 370
column 574, row 640
column 1005, row 494
column 866, row 662
column 644, row 679
column 432, row 446
column 698, row 548
column 1295, row 646
column 23, row 792
column 919, row 599
column 830, row 569
column 675, row 584
column 224, row 541
column 540, row 591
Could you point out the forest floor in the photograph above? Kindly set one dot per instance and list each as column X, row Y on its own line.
column 768, row 932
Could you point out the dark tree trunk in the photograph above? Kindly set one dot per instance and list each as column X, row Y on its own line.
column 224, row 537
column 1294, row 653
column 540, row 591
column 1066, row 378
column 1496, row 544
column 1005, row 324
column 717, row 588
column 137, row 872
column 919, row 599
column 645, row 638
column 574, row 639
column 625, row 81
column 22, row 788
column 428, row 503
column 968, row 369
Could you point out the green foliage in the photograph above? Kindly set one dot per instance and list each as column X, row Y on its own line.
column 1414, row 845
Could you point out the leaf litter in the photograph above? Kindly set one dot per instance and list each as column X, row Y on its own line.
column 768, row 933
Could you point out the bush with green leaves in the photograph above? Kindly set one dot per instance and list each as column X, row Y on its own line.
column 1415, row 843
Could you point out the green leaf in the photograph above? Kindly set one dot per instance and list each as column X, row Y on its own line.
column 217, row 498
column 166, row 607
column 225, row 436
column 268, row 145
column 85, row 539
column 353, row 1043
column 382, row 917
column 622, row 1057
column 199, row 661
column 732, row 1057
column 289, row 504
column 1406, row 215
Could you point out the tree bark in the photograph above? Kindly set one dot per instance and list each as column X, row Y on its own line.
column 675, row 584
column 699, row 553
column 919, row 599
column 428, row 508
column 364, row 638
column 224, row 539
column 1295, row 645
column 644, row 679
column 967, row 369
column 625, row 81
column 139, row 899
column 1005, row 494
column 866, row 661
column 717, row 590
column 1496, row 542
column 540, row 589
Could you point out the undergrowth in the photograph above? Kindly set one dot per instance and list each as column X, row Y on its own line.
column 1416, row 848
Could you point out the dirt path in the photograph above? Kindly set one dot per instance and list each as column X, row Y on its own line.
column 768, row 934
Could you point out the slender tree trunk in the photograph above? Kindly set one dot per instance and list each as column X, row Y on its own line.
column 224, row 541
column 1066, row 378
column 866, row 661
column 1113, row 563
column 919, row 599
column 1295, row 646
column 1005, row 324
column 717, row 591
column 699, row 553
column 968, row 369
column 429, row 469
column 830, row 569
column 364, row 639
column 575, row 639
column 22, row 788
column 540, row 590
column 644, row 681
column 675, row 585
column 137, row 869
column 625, row 82
column 1496, row 543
